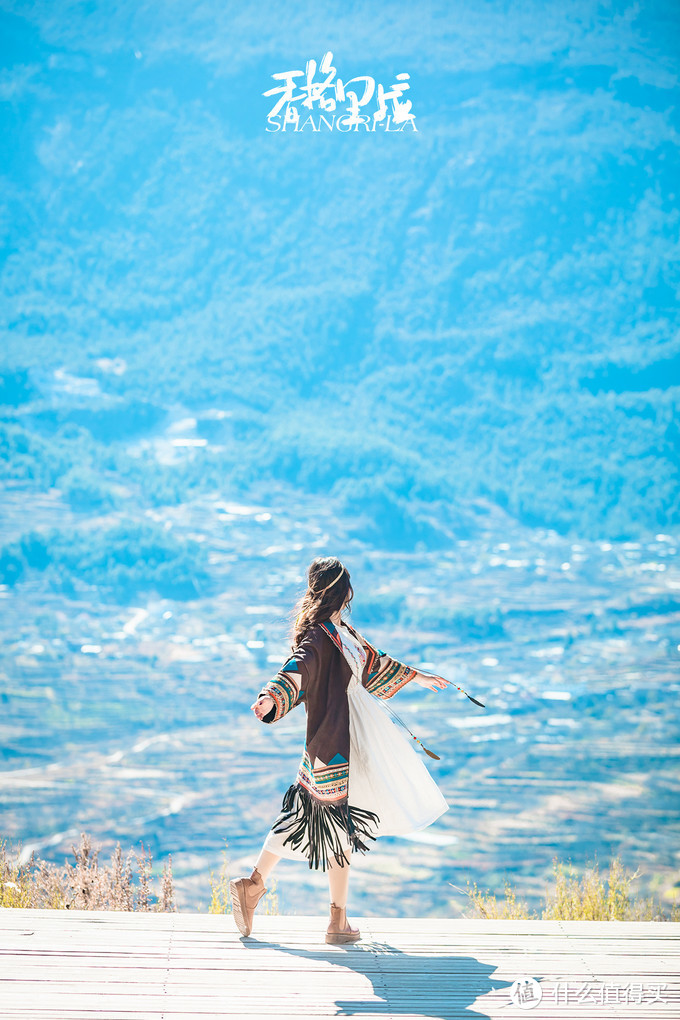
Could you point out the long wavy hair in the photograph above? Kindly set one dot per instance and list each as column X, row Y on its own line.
column 328, row 585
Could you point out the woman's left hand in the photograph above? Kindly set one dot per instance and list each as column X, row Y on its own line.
column 434, row 683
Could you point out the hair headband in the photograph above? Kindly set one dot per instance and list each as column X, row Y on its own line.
column 329, row 585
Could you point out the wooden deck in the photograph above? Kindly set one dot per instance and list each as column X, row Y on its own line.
column 61, row 965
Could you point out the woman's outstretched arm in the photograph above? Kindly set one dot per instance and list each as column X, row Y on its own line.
column 288, row 688
column 283, row 693
column 384, row 676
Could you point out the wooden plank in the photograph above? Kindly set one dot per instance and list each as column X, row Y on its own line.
column 78, row 964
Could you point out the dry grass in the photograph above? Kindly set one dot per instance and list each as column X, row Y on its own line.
column 585, row 898
column 86, row 884
column 126, row 884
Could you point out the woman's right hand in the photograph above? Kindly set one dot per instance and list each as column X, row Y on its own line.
column 262, row 706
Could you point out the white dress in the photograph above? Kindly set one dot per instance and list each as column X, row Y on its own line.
column 386, row 773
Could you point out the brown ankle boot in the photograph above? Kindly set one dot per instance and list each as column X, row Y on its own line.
column 340, row 930
column 245, row 895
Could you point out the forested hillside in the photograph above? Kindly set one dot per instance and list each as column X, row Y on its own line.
column 484, row 308
column 449, row 356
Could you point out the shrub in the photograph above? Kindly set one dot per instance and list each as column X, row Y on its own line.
column 85, row 885
column 582, row 899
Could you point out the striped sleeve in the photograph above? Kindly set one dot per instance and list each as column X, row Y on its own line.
column 288, row 688
column 383, row 675
column 285, row 690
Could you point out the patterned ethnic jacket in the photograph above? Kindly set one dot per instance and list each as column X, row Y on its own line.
column 317, row 804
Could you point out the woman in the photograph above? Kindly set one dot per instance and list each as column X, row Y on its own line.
column 359, row 777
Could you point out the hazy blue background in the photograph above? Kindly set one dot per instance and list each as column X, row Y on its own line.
column 224, row 351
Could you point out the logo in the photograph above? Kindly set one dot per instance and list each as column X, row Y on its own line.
column 329, row 104
column 526, row 993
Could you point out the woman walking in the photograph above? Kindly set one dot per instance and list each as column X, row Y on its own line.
column 359, row 777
